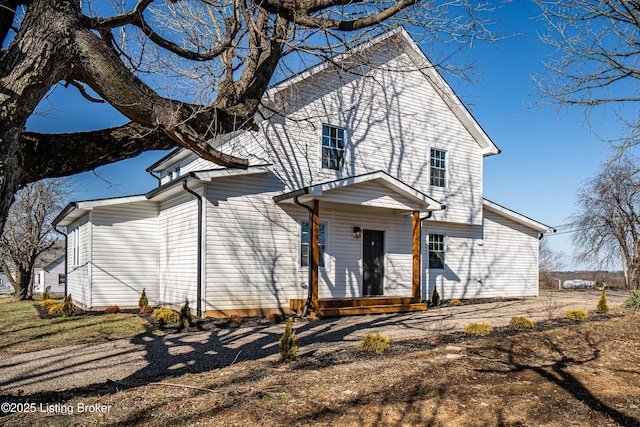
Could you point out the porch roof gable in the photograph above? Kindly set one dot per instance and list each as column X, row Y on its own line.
column 361, row 190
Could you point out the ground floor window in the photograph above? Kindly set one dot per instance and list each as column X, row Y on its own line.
column 62, row 279
column 436, row 251
column 305, row 244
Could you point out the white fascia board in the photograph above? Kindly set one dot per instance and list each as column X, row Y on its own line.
column 517, row 217
column 210, row 175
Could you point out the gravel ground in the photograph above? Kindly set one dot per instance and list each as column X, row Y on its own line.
column 142, row 359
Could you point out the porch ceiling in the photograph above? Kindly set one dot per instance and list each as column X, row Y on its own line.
column 375, row 189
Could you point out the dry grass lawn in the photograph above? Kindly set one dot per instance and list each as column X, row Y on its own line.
column 571, row 374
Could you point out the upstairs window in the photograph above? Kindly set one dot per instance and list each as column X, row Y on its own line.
column 438, row 167
column 304, row 244
column 332, row 147
column 436, row 251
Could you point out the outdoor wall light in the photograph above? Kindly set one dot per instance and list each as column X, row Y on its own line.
column 357, row 232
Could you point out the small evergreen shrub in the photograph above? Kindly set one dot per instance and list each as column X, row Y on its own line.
column 68, row 308
column 45, row 295
column 374, row 342
column 143, row 301
column 55, row 309
column 235, row 319
column 435, row 297
column 478, row 329
column 112, row 309
column 146, row 309
column 633, row 301
column 602, row 307
column 47, row 302
column 520, row 322
column 576, row 314
column 184, row 316
column 164, row 315
column 289, row 342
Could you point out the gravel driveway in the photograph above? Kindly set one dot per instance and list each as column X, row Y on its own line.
column 139, row 360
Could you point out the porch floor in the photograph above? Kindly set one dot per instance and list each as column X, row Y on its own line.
column 332, row 307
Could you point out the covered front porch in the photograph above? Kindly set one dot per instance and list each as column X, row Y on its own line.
column 389, row 196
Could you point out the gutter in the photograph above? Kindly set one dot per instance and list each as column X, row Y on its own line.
column 200, row 254
column 66, row 259
column 307, row 304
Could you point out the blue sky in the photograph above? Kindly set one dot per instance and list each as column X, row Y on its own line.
column 546, row 153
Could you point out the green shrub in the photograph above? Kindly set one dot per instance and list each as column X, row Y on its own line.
column 164, row 315
column 47, row 302
column 112, row 309
column 602, row 307
column 576, row 314
column 184, row 316
column 521, row 322
column 478, row 329
column 143, row 301
column 289, row 342
column 68, row 308
column 146, row 309
column 45, row 295
column 374, row 342
column 55, row 309
column 633, row 301
column 435, row 297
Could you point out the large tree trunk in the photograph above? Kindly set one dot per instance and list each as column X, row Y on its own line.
column 22, row 284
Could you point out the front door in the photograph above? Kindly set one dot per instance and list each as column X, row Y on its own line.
column 372, row 262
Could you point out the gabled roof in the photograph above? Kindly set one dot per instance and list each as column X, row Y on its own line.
column 397, row 195
column 418, row 57
column 515, row 216
column 422, row 64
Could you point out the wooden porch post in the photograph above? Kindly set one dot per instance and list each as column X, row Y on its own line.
column 314, row 255
column 415, row 251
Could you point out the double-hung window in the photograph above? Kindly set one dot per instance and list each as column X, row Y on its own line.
column 438, row 167
column 332, row 147
column 436, row 251
column 305, row 244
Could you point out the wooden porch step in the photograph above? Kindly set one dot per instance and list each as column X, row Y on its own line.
column 298, row 304
column 371, row 309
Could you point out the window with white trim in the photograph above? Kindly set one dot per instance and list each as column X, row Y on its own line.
column 305, row 244
column 438, row 167
column 332, row 147
column 436, row 251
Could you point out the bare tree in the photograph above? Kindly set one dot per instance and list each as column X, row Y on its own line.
column 596, row 58
column 28, row 232
column 549, row 261
column 114, row 52
column 607, row 223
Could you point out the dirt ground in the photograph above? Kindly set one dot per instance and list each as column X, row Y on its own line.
column 563, row 373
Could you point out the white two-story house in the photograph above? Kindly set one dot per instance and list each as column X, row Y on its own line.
column 381, row 160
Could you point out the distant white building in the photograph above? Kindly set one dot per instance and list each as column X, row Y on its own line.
column 50, row 277
column 383, row 161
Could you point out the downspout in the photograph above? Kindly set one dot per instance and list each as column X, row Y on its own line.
column 199, row 273
column 156, row 177
column 66, row 262
column 307, row 304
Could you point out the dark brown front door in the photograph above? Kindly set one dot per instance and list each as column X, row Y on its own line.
column 372, row 262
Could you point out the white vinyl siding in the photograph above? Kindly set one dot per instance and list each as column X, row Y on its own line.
column 78, row 284
column 252, row 246
column 178, row 225
column 124, row 254
column 391, row 130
